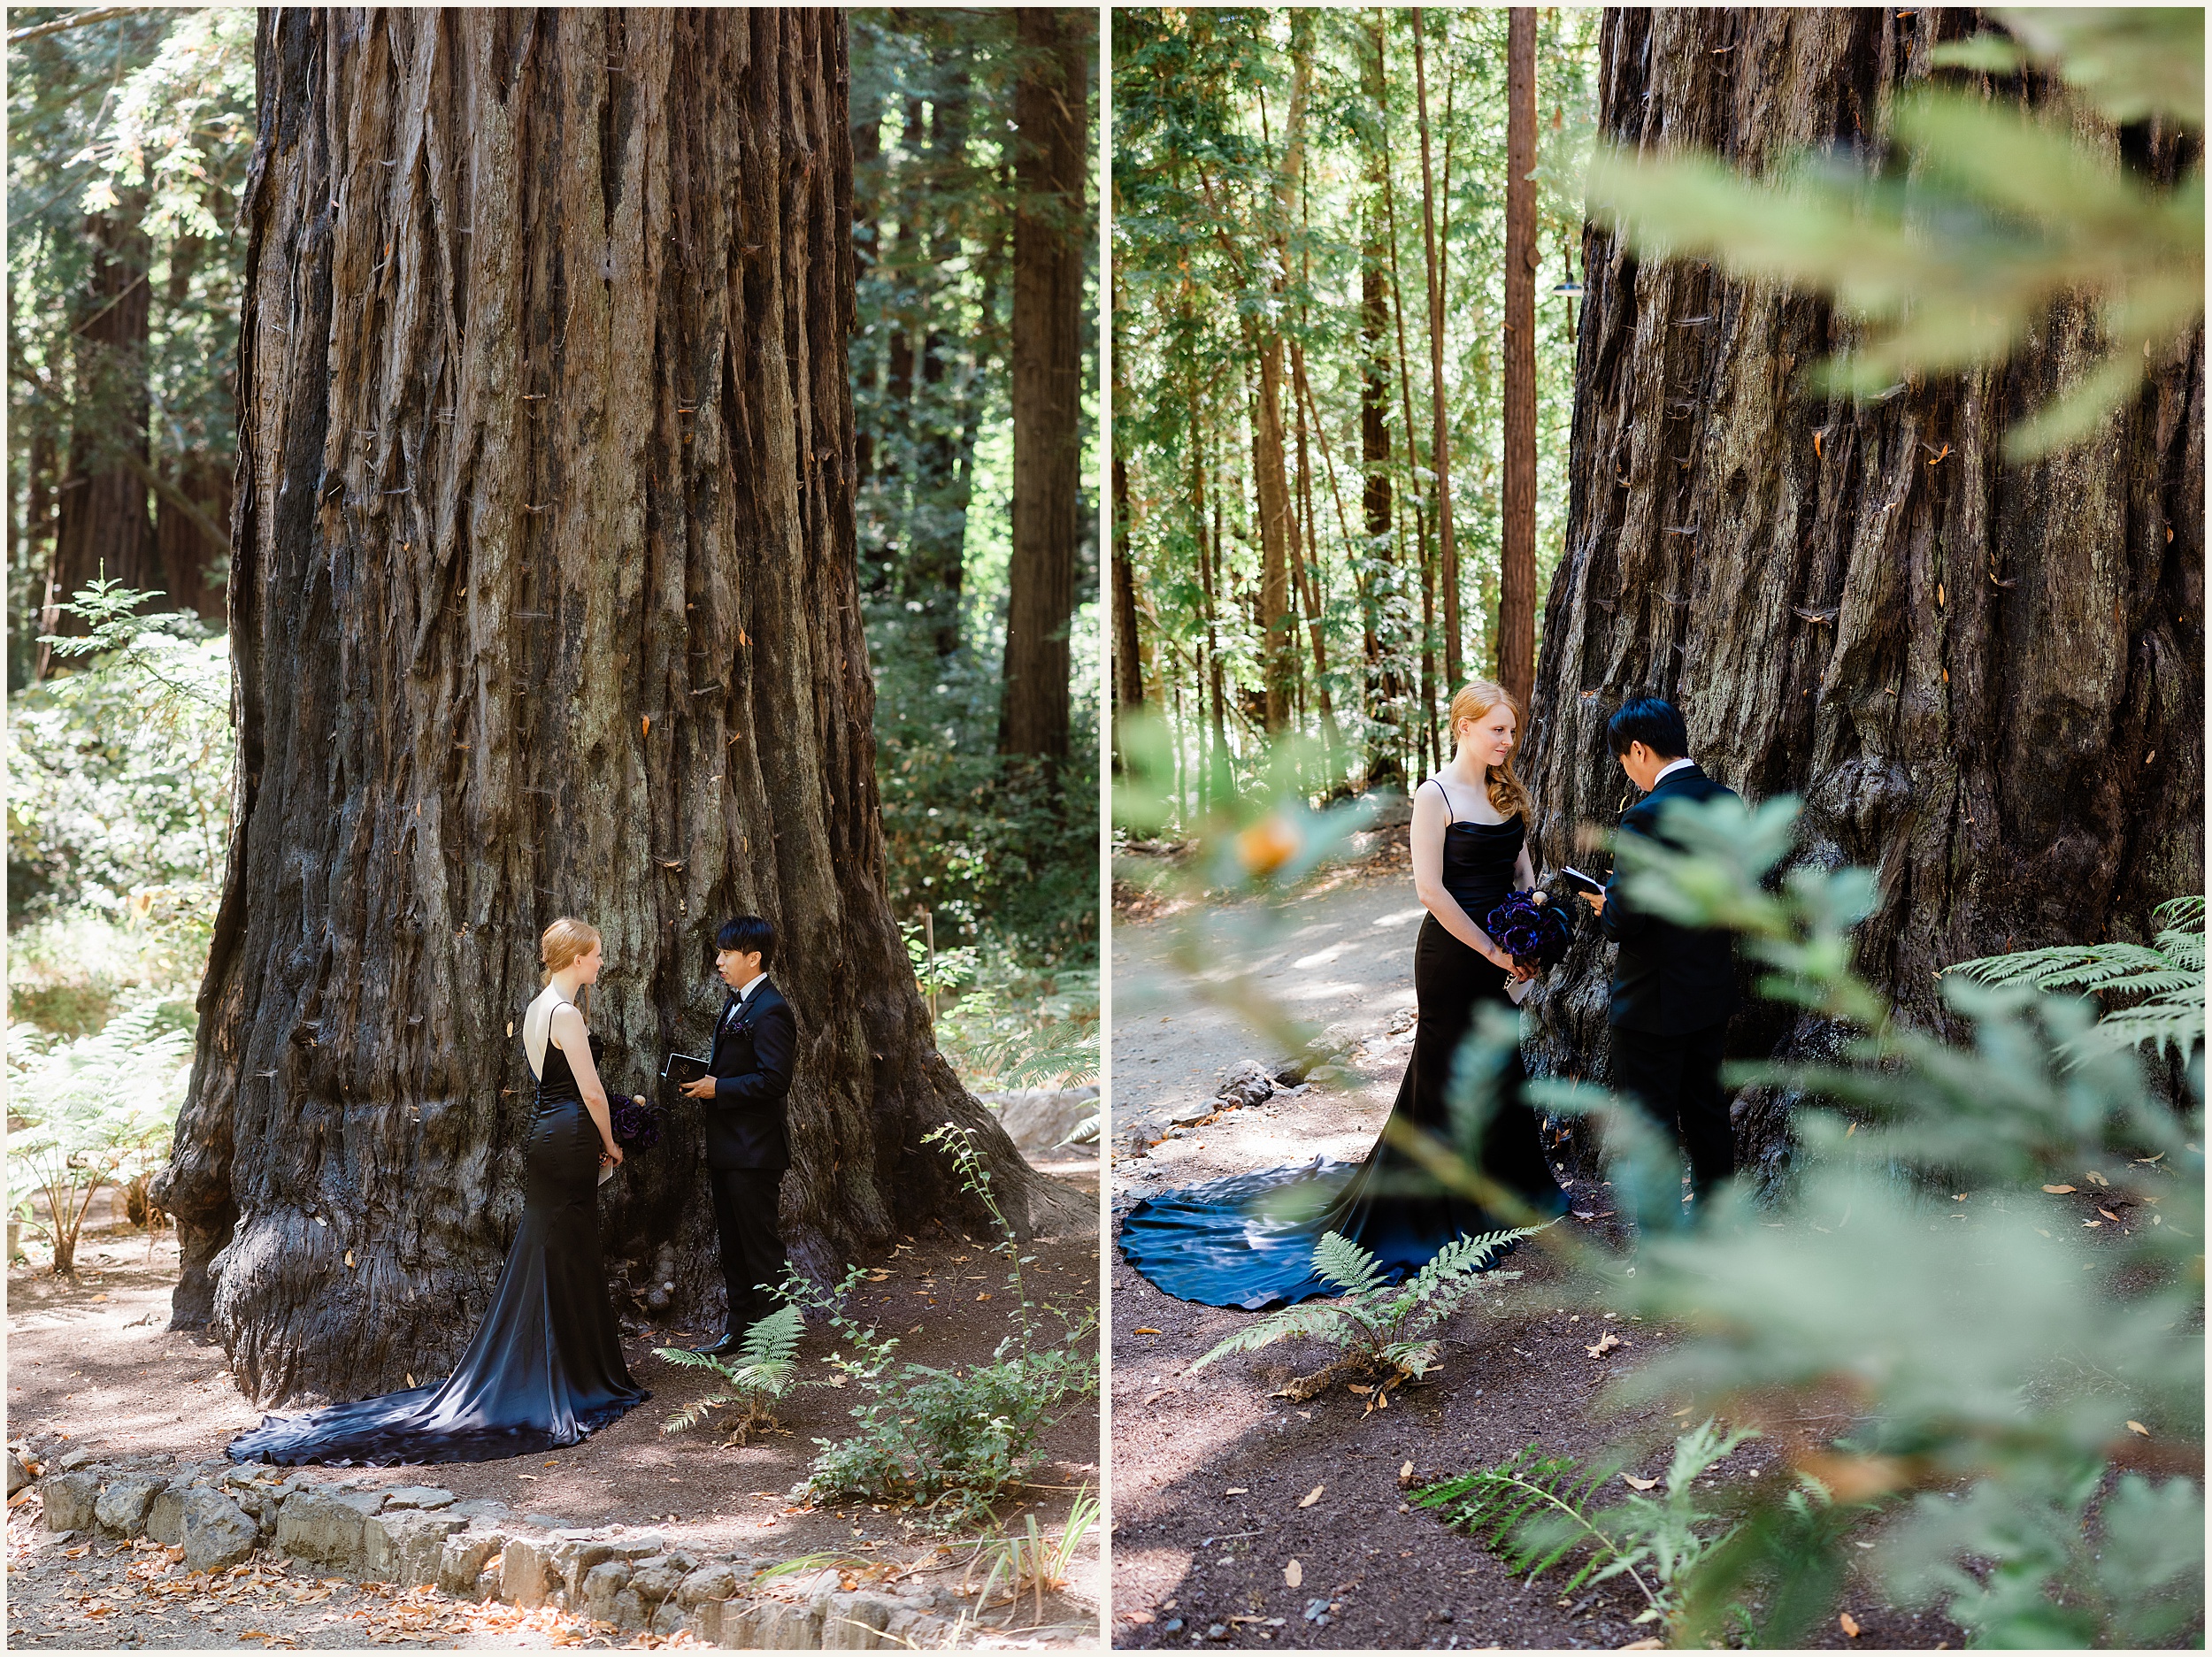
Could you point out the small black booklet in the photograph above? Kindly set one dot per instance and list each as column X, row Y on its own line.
column 681, row 1069
column 1576, row 877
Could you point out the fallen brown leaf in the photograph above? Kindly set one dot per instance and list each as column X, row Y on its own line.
column 2059, row 1191
column 1144, row 1332
column 2137, row 1428
column 1849, row 1624
column 2110, row 1216
column 1606, row 1343
column 1293, row 1574
column 1313, row 1495
column 1633, row 1483
column 1405, row 1475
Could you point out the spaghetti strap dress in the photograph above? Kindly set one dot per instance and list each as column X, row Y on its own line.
column 1248, row 1240
column 544, row 1369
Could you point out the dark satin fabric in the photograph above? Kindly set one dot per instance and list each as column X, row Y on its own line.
column 1248, row 1240
column 545, row 1366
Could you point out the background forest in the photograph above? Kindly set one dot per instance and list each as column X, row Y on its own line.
column 130, row 138
column 1311, row 244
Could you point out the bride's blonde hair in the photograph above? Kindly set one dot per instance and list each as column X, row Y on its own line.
column 566, row 941
column 1475, row 699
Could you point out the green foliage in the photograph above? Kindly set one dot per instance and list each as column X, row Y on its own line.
column 2168, row 973
column 949, row 1440
column 1536, row 1511
column 91, row 1113
column 128, row 139
column 766, row 1368
column 1030, row 1561
column 1959, row 249
column 1010, row 1026
column 2132, row 1576
column 120, row 776
column 1379, row 1326
column 1995, row 1341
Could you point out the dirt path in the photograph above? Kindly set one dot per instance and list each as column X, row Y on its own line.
column 1220, row 1487
column 92, row 1366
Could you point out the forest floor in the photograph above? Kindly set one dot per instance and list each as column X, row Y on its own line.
column 91, row 1364
column 1220, row 1487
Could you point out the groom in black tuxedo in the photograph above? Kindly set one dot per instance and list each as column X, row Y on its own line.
column 749, row 1075
column 1673, row 987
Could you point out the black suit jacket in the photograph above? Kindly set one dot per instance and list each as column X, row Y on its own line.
column 751, row 1064
column 1668, row 980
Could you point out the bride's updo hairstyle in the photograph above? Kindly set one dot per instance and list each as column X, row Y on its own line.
column 1475, row 699
column 566, row 941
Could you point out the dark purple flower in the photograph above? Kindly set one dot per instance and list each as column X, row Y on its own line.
column 637, row 1125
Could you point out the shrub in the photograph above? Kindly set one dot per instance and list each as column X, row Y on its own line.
column 1382, row 1328
column 765, row 1371
column 950, row 1439
column 84, row 1115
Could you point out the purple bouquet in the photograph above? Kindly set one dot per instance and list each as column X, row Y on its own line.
column 636, row 1124
column 1535, row 934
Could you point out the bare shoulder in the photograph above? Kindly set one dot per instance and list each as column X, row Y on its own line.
column 567, row 1023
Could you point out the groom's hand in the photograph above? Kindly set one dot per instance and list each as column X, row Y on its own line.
column 1595, row 899
column 703, row 1088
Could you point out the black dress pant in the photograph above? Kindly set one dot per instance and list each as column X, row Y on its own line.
column 1676, row 1079
column 752, row 1252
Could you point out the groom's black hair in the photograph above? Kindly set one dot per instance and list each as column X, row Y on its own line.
column 1648, row 720
column 747, row 934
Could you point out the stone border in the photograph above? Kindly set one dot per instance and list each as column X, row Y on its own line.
column 220, row 1514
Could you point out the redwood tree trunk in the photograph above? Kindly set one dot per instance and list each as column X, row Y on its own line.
column 1986, row 680
column 544, row 602
column 1516, row 564
column 104, row 527
column 1051, row 106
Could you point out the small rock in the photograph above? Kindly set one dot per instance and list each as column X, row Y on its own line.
column 634, row 1549
column 1173, row 1625
column 1246, row 1084
column 1219, row 1630
column 19, row 1475
column 855, row 1622
column 653, row 1584
column 708, row 1583
column 71, row 1499
column 601, row 1583
column 214, row 1532
column 629, row 1611
column 426, row 1497
column 324, row 1525
column 462, row 1559
column 779, row 1627
column 573, row 1558
column 165, row 1520
column 482, row 1508
column 1190, row 1114
column 547, row 1522
column 527, row 1573
column 122, row 1507
column 73, row 1459
column 404, row 1547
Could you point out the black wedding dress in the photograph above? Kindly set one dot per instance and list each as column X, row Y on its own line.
column 545, row 1366
column 1248, row 1240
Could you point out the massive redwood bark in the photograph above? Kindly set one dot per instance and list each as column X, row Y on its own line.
column 1052, row 110
column 1986, row 680
column 543, row 603
column 1517, row 563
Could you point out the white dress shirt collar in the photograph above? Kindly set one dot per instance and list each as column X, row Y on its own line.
column 1665, row 771
column 745, row 990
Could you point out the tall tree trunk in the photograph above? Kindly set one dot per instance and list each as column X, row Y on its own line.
column 1384, row 688
column 944, row 438
column 187, row 554
column 1986, row 680
column 1050, row 107
column 1440, row 442
column 1413, row 728
column 104, row 525
column 1516, row 566
column 1128, row 660
column 544, row 602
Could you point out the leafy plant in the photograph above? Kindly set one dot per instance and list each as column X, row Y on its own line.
column 1380, row 1326
column 1028, row 1561
column 1934, row 1267
column 2168, row 973
column 765, row 1373
column 1536, row 1511
column 950, row 1441
column 89, row 1113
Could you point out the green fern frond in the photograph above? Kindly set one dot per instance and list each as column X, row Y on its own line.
column 1465, row 1255
column 1353, row 1269
column 692, row 1414
column 775, row 1339
column 2182, row 914
column 1528, row 1510
column 2158, row 1024
column 1323, row 1319
column 1414, row 1358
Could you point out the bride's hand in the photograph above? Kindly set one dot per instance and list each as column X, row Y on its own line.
column 611, row 1155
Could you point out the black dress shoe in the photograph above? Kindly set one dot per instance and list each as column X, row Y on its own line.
column 721, row 1348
